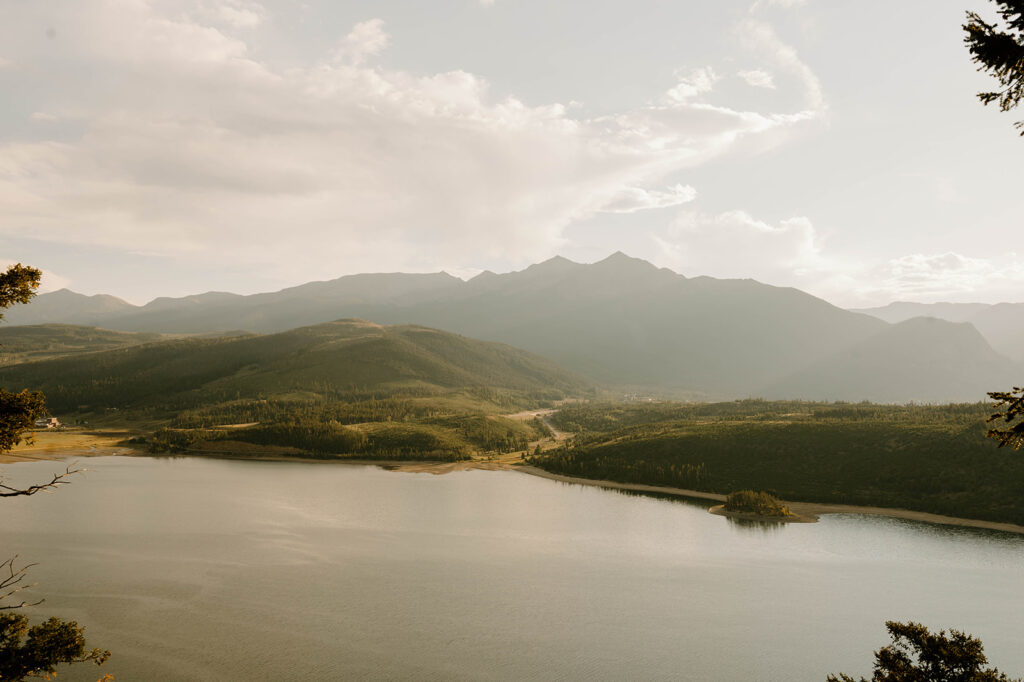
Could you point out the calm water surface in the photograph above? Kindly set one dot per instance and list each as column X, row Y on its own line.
column 191, row 569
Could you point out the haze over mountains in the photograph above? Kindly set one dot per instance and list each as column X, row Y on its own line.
column 1002, row 324
column 622, row 322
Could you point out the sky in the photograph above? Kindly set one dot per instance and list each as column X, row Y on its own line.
column 170, row 147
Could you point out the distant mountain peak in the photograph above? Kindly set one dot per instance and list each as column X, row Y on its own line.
column 66, row 294
column 554, row 263
column 556, row 266
column 619, row 259
column 619, row 265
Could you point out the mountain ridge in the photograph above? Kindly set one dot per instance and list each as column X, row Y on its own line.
column 622, row 322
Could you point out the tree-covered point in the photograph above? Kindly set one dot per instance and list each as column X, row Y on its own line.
column 926, row 458
column 755, row 502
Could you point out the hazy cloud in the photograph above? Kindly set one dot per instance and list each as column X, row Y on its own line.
column 762, row 37
column 693, row 84
column 758, row 78
column 791, row 252
column 239, row 14
column 366, row 40
column 786, row 4
column 926, row 276
column 632, row 199
column 734, row 244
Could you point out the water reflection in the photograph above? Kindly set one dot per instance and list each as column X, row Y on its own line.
column 678, row 499
column 756, row 526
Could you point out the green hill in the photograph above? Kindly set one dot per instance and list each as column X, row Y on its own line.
column 44, row 341
column 347, row 359
column 349, row 387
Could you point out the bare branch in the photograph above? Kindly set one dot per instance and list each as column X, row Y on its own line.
column 11, row 583
column 56, row 481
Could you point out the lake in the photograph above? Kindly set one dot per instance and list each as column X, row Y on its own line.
column 194, row 569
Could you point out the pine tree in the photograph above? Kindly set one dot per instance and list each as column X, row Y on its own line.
column 998, row 48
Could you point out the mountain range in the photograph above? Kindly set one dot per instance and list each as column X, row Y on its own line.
column 621, row 322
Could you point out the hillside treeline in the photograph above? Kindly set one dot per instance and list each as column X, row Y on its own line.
column 922, row 457
column 441, row 438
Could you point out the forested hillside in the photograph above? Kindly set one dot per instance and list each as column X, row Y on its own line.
column 932, row 458
column 344, row 388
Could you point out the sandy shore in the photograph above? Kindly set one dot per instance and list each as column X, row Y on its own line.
column 50, row 445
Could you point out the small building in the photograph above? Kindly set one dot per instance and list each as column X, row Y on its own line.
column 47, row 423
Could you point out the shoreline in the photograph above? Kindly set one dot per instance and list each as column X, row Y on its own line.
column 809, row 510
column 805, row 512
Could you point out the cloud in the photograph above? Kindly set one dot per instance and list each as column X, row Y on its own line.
column 633, row 199
column 696, row 82
column 791, row 252
column 187, row 144
column 762, row 37
column 43, row 116
column 921, row 276
column 734, row 244
column 366, row 39
column 785, row 4
column 232, row 14
column 758, row 78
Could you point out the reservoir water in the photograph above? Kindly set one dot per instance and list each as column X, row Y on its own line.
column 192, row 569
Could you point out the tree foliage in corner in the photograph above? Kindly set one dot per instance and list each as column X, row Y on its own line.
column 917, row 655
column 30, row 651
column 35, row 651
column 1011, row 407
column 18, row 411
column 998, row 48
